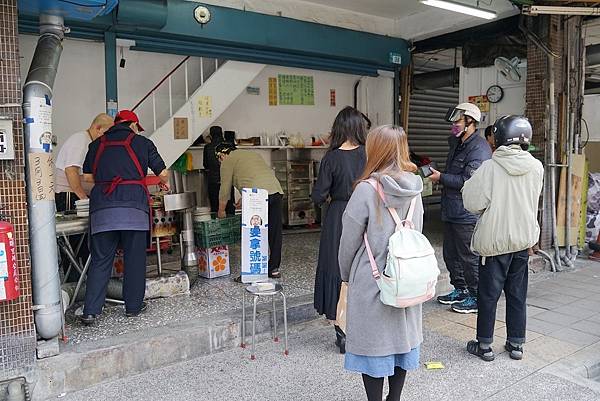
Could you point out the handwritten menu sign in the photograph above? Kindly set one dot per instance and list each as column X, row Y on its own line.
column 205, row 106
column 41, row 171
column 181, row 128
column 272, row 91
column 296, row 90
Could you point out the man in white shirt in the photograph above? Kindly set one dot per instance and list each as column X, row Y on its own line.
column 69, row 177
column 69, row 162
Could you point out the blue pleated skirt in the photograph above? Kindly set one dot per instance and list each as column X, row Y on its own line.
column 382, row 366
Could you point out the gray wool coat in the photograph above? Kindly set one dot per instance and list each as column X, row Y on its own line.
column 372, row 328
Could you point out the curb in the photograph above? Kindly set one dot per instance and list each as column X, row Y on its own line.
column 86, row 365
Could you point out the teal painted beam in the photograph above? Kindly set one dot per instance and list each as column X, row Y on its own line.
column 110, row 72
column 240, row 35
column 260, row 31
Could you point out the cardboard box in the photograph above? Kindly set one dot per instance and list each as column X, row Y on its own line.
column 213, row 262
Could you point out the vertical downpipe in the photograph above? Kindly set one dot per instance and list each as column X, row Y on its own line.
column 552, row 159
column 569, row 149
column 37, row 113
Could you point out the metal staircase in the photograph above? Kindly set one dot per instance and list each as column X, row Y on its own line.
column 195, row 80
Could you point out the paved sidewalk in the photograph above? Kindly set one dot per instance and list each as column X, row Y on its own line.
column 563, row 347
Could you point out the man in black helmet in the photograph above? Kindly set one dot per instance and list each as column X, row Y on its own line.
column 504, row 192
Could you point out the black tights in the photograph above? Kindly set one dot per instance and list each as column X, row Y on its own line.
column 374, row 385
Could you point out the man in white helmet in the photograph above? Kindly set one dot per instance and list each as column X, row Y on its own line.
column 468, row 150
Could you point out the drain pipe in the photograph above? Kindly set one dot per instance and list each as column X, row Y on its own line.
column 552, row 160
column 570, row 128
column 37, row 113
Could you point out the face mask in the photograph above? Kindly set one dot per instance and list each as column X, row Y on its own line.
column 456, row 130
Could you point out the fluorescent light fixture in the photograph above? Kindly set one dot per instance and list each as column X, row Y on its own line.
column 461, row 8
column 559, row 10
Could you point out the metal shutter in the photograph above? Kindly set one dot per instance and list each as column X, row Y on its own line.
column 427, row 130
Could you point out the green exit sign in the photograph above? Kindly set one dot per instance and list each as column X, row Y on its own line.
column 395, row 58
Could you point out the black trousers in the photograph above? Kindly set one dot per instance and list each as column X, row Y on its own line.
column 275, row 230
column 84, row 251
column 103, row 247
column 461, row 262
column 213, row 199
column 508, row 272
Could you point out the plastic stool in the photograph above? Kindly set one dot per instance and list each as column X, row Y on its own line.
column 256, row 293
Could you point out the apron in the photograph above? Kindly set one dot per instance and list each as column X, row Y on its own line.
column 110, row 186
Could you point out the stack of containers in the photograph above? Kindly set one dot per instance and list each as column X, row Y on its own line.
column 212, row 237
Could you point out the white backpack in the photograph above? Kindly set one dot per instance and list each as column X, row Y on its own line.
column 411, row 270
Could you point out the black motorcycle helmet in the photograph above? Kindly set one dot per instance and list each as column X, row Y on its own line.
column 513, row 130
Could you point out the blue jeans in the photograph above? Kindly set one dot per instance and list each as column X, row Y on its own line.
column 508, row 272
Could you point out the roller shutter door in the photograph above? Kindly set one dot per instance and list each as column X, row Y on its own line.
column 427, row 130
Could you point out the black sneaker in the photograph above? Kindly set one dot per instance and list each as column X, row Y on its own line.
column 469, row 305
column 88, row 320
column 134, row 314
column 475, row 348
column 514, row 352
column 454, row 297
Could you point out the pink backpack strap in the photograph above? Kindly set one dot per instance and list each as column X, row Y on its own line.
column 399, row 223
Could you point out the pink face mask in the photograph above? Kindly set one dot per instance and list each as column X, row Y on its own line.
column 456, row 130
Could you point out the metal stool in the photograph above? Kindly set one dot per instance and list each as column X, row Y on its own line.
column 256, row 293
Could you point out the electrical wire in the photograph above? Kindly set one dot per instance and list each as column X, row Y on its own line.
column 587, row 130
column 84, row 5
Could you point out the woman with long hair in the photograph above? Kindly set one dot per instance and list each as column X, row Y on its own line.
column 340, row 167
column 382, row 341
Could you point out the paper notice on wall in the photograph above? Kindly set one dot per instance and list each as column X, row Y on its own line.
column 255, row 235
column 41, row 172
column 40, row 124
column 296, row 90
column 205, row 106
column 180, row 128
column 272, row 91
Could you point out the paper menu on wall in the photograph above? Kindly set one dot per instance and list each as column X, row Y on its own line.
column 272, row 91
column 205, row 106
column 296, row 90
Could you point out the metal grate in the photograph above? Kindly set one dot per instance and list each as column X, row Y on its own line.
column 17, row 332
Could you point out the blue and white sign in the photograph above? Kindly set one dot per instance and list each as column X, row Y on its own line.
column 255, row 235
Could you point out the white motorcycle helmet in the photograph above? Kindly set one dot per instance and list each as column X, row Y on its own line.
column 464, row 109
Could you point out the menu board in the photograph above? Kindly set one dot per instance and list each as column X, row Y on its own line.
column 296, row 90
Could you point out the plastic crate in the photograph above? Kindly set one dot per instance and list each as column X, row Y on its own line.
column 217, row 232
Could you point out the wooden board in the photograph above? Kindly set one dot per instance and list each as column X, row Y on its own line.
column 578, row 173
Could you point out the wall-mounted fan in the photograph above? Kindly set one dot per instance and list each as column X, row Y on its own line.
column 508, row 68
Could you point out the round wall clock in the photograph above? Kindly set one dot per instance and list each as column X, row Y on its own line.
column 495, row 93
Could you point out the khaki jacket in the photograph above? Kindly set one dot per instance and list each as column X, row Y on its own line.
column 505, row 192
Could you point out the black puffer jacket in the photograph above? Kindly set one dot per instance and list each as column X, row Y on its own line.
column 211, row 163
column 463, row 160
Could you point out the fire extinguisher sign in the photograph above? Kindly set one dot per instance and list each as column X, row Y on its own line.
column 3, row 262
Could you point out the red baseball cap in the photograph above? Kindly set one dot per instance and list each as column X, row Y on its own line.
column 128, row 116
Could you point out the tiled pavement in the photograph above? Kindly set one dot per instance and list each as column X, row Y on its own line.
column 563, row 318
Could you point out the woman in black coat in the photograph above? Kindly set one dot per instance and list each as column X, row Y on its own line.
column 342, row 165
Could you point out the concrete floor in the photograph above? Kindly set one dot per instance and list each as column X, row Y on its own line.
column 314, row 370
column 563, row 346
column 216, row 296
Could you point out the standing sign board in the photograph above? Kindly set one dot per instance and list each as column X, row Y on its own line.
column 255, row 235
